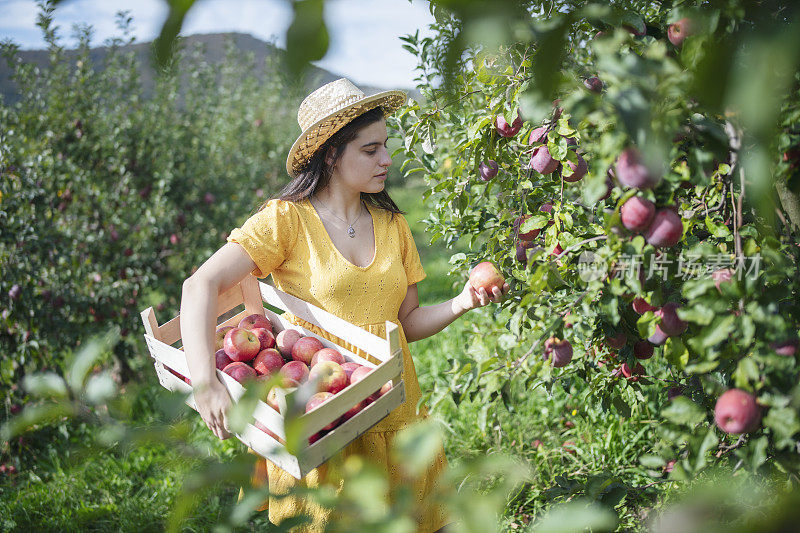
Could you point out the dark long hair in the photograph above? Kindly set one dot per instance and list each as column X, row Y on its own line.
column 317, row 173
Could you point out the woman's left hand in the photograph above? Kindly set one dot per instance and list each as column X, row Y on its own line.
column 470, row 298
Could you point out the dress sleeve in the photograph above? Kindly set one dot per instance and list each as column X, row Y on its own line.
column 268, row 236
column 409, row 252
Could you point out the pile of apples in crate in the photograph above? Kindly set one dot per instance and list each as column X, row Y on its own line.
column 251, row 351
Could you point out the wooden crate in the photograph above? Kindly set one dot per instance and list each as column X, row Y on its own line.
column 163, row 343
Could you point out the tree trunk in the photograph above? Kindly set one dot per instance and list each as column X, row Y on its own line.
column 791, row 205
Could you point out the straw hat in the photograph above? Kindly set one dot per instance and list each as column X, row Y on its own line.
column 326, row 110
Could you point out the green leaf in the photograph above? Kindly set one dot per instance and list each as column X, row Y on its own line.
column 676, row 353
column 416, row 446
column 684, row 411
column 307, row 36
column 45, row 385
column 783, row 421
column 576, row 516
column 746, row 373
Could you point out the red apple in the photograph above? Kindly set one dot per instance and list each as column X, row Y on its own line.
column 359, row 374
column 528, row 235
column 485, row 275
column 265, row 337
column 680, row 30
column 348, row 368
column 579, row 169
column 559, row 351
column 255, row 321
column 665, row 230
column 276, row 396
column 241, row 344
column 632, row 374
column 522, row 251
column 659, row 337
column 722, row 275
column 329, row 376
column 641, row 306
column 488, row 170
column 268, row 361
column 354, row 410
column 222, row 360
column 569, row 447
column 542, row 162
column 670, row 323
column 637, row 213
column 617, row 341
column 594, row 84
column 506, row 130
column 327, row 354
column 538, row 135
column 643, row 350
column 632, row 172
column 318, row 399
column 219, row 337
column 785, row 348
column 305, row 348
column 295, row 371
column 285, row 341
column 674, row 392
column 736, row 411
column 239, row 371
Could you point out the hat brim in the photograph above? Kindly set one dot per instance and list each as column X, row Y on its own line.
column 315, row 135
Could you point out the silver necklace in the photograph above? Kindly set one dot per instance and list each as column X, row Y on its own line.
column 351, row 232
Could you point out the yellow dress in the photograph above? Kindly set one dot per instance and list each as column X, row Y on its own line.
column 288, row 240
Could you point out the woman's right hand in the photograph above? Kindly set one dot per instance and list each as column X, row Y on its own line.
column 213, row 402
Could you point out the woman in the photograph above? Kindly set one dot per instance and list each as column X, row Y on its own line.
column 335, row 239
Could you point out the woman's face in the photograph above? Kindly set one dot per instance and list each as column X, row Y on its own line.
column 363, row 164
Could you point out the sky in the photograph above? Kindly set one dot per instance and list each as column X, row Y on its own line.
column 364, row 34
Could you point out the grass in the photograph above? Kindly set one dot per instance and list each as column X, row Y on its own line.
column 57, row 489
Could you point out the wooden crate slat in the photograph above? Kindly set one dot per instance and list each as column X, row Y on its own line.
column 370, row 343
column 333, row 442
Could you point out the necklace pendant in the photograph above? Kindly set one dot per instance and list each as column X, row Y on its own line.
column 351, row 232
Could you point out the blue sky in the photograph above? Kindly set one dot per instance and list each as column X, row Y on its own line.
column 364, row 33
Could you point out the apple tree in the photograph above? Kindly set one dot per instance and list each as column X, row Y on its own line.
column 632, row 169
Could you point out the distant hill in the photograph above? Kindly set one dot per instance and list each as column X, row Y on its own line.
column 214, row 47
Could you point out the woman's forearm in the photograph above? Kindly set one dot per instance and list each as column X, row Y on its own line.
column 198, row 320
column 423, row 322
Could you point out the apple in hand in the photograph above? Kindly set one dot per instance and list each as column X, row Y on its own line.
column 305, row 348
column 239, row 371
column 285, row 341
column 268, row 361
column 327, row 354
column 329, row 376
column 485, row 275
column 255, row 321
column 241, row 345
column 736, row 411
